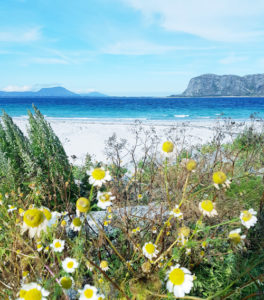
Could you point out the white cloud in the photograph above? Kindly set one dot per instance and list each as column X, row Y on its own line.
column 219, row 20
column 232, row 59
column 16, row 88
column 20, row 36
column 141, row 47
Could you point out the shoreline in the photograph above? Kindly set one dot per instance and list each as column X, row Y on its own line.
column 80, row 138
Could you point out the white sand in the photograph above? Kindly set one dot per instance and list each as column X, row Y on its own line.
column 80, row 137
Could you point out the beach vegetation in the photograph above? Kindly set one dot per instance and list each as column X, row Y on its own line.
column 160, row 220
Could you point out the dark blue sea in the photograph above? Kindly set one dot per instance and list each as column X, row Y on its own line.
column 125, row 109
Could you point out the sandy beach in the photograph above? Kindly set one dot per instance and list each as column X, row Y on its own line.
column 80, row 137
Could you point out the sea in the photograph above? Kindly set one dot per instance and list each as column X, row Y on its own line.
column 125, row 109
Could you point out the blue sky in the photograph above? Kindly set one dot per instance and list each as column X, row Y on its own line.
column 127, row 47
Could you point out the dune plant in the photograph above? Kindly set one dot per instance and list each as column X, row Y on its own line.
column 183, row 223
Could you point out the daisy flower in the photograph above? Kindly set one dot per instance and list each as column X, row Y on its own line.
column 104, row 199
column 58, row 245
column 66, row 282
column 39, row 247
column 52, row 217
column 176, row 212
column 149, row 250
column 101, row 297
column 32, row 291
column 207, row 208
column 76, row 224
column 98, row 176
column 69, row 265
column 220, row 178
column 191, row 165
column 248, row 218
column 235, row 237
column 34, row 221
column 104, row 265
column 11, row 208
column 135, row 230
column 167, row 147
column 88, row 292
column 180, row 281
column 83, row 205
column 139, row 196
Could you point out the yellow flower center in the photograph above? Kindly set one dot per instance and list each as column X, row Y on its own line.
column 21, row 211
column 176, row 276
column 66, row 282
column 83, row 204
column 219, row 177
column 98, row 174
column 77, row 222
column 150, row 248
column 33, row 294
column 22, row 293
column 104, row 264
column 207, row 205
column 167, row 147
column 246, row 216
column 70, row 264
column 33, row 217
column 176, row 210
column 12, row 206
column 24, row 273
column 39, row 246
column 63, row 223
column 105, row 197
column 57, row 245
column 88, row 293
column 47, row 213
column 191, row 165
column 235, row 237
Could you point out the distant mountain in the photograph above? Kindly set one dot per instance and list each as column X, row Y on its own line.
column 55, row 92
column 94, row 94
column 45, row 92
column 225, row 85
column 49, row 92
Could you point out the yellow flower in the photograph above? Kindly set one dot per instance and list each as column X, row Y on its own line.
column 219, row 177
column 167, row 147
column 88, row 292
column 140, row 196
column 191, row 165
column 34, row 221
column 235, row 236
column 104, row 265
column 180, row 281
column 207, row 208
column 33, row 291
column 63, row 223
column 98, row 176
column 149, row 250
column 248, row 217
column 135, row 230
column 83, row 205
column 66, row 282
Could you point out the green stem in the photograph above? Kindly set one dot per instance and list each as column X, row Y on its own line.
column 112, row 246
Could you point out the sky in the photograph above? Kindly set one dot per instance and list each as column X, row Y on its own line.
column 127, row 47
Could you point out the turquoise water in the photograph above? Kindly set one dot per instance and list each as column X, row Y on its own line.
column 137, row 108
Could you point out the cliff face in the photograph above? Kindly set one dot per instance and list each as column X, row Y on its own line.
column 225, row 85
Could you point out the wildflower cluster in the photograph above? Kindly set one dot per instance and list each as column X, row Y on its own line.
column 103, row 246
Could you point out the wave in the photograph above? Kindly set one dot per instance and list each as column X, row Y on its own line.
column 181, row 116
